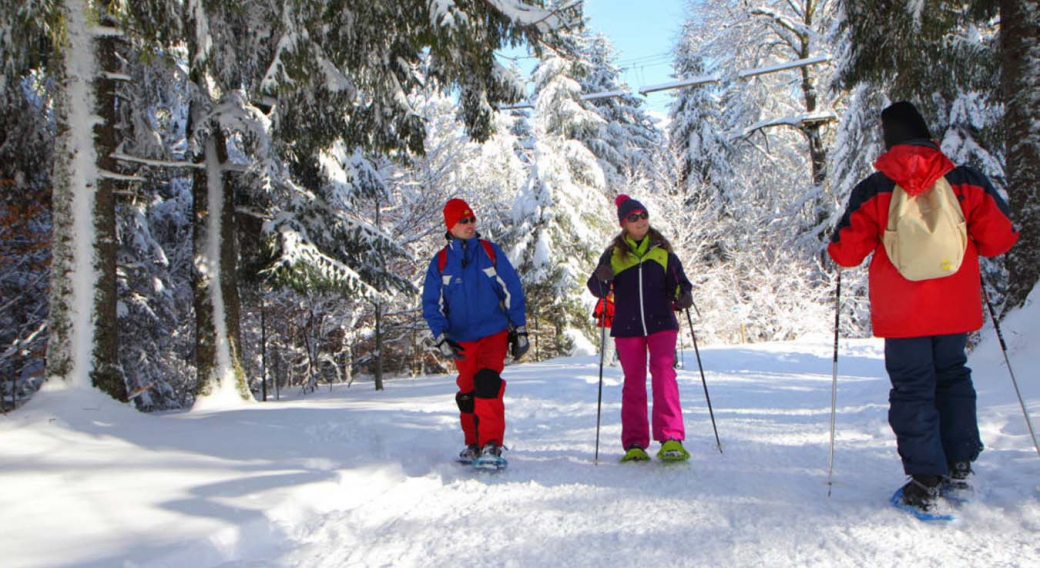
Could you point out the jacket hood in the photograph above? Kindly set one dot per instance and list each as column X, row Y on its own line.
column 914, row 167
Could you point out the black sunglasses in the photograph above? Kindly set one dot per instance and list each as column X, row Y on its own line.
column 467, row 220
column 637, row 216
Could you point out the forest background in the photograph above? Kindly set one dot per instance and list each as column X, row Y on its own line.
column 210, row 199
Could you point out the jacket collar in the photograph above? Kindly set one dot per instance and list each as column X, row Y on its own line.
column 915, row 166
column 465, row 247
column 642, row 247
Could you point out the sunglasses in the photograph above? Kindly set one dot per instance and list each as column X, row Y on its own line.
column 467, row 220
column 637, row 216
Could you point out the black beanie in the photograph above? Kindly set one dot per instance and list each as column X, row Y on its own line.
column 901, row 123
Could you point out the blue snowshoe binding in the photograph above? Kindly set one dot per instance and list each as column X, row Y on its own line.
column 958, row 487
column 490, row 458
column 468, row 454
column 921, row 498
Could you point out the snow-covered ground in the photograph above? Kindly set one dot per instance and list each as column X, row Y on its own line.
column 353, row 478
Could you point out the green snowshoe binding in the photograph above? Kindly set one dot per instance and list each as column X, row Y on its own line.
column 635, row 454
column 673, row 451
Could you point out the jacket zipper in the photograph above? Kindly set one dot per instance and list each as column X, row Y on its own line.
column 642, row 312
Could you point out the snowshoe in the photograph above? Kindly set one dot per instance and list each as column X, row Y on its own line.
column 490, row 458
column 635, row 454
column 920, row 497
column 468, row 454
column 958, row 487
column 672, row 451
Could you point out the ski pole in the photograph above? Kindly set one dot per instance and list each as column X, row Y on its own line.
column 602, row 353
column 682, row 348
column 834, row 383
column 704, row 382
column 1003, row 347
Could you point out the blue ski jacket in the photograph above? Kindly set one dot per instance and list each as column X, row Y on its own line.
column 474, row 296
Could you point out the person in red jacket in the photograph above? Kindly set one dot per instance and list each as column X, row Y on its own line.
column 925, row 323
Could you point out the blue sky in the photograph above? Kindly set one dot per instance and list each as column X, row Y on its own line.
column 644, row 35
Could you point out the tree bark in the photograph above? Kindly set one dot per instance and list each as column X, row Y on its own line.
column 379, row 347
column 84, row 345
column 60, row 325
column 814, row 137
column 107, row 373
column 1020, row 86
column 379, row 314
column 217, row 334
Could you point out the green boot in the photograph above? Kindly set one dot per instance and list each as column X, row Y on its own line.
column 635, row 454
column 672, row 451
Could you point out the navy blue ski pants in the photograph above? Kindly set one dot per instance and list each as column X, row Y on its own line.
column 932, row 402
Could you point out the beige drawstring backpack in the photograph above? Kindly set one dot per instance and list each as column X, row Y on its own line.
column 926, row 234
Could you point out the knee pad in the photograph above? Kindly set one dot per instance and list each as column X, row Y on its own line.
column 465, row 401
column 488, row 383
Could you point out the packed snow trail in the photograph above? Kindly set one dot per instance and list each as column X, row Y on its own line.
column 357, row 478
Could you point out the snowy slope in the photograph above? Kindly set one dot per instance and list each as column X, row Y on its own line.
column 358, row 478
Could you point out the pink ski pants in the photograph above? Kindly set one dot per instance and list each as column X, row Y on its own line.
column 667, row 413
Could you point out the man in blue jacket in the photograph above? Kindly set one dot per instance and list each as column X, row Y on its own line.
column 472, row 297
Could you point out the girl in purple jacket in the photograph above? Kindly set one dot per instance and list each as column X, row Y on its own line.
column 649, row 285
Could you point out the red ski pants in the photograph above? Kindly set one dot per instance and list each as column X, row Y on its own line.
column 481, row 387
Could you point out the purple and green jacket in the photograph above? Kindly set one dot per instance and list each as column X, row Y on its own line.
column 646, row 284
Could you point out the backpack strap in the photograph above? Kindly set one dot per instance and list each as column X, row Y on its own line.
column 489, row 250
column 442, row 256
column 442, row 260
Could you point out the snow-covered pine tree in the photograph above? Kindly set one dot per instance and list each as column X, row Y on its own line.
column 561, row 219
column 83, row 338
column 155, row 228
column 35, row 54
column 705, row 175
column 628, row 138
column 26, row 144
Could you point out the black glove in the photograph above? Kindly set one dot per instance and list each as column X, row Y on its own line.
column 685, row 300
column 518, row 343
column 449, row 348
column 604, row 273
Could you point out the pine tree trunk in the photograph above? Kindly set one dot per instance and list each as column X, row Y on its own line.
column 205, row 332
column 1020, row 84
column 107, row 373
column 217, row 326
column 379, row 347
column 379, row 312
column 60, row 361
column 84, row 240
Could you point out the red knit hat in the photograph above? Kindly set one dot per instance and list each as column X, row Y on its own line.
column 454, row 210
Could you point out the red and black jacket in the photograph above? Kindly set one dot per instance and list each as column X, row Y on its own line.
column 904, row 308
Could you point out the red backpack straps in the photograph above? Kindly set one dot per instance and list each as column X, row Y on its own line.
column 490, row 250
column 442, row 256
column 442, row 260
